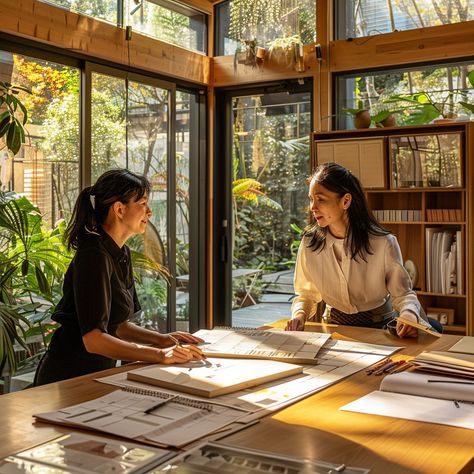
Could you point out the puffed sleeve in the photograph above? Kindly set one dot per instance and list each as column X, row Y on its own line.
column 92, row 289
column 307, row 294
column 397, row 279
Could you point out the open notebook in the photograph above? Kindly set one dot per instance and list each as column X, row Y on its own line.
column 214, row 377
column 421, row 397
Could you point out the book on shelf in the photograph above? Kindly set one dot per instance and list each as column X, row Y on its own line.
column 443, row 261
column 214, row 377
column 420, row 397
column 79, row 453
column 449, row 363
column 218, row 458
column 297, row 347
column 147, row 416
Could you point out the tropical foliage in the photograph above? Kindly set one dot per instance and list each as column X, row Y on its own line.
column 33, row 260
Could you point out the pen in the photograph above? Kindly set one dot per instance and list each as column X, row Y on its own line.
column 451, row 381
column 158, row 405
column 392, row 369
column 386, row 368
column 378, row 366
column 403, row 367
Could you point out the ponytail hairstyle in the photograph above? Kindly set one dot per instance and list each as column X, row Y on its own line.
column 93, row 203
column 362, row 222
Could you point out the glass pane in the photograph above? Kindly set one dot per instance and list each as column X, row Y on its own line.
column 174, row 23
column 46, row 169
column 271, row 161
column 184, row 103
column 413, row 96
column 130, row 130
column 426, row 160
column 271, row 23
column 357, row 18
column 102, row 9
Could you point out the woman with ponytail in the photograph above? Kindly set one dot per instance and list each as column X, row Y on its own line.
column 99, row 297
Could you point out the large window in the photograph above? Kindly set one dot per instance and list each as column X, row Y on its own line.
column 128, row 121
column 172, row 22
column 46, row 170
column 414, row 95
column 273, row 23
column 355, row 18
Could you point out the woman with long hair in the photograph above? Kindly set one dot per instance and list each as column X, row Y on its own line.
column 347, row 260
column 99, row 298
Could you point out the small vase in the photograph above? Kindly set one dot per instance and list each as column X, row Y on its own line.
column 362, row 119
column 389, row 121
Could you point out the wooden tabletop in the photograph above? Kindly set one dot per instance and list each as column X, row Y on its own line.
column 312, row 428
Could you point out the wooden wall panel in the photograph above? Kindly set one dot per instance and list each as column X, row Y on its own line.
column 67, row 30
column 437, row 43
column 226, row 75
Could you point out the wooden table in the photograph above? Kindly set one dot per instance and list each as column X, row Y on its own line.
column 312, row 428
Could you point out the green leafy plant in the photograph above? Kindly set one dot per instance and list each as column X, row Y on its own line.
column 33, row 260
column 284, row 50
column 14, row 116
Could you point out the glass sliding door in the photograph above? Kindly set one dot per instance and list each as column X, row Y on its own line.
column 130, row 128
column 269, row 148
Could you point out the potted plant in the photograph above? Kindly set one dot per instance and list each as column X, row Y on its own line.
column 385, row 118
column 286, row 51
column 246, row 54
column 360, row 115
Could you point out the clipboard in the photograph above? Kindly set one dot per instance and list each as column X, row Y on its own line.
column 429, row 331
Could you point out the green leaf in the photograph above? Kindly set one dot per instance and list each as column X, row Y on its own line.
column 468, row 106
column 24, row 267
column 4, row 126
column 470, row 77
column 43, row 284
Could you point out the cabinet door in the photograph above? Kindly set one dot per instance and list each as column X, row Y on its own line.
column 324, row 153
column 347, row 154
column 371, row 163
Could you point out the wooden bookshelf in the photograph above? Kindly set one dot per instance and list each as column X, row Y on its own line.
column 427, row 183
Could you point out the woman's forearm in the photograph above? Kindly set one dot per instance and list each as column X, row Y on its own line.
column 130, row 332
column 98, row 342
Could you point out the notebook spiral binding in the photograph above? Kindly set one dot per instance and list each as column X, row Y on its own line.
column 180, row 399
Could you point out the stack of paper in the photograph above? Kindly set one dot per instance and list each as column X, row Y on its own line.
column 214, row 377
column 461, row 365
column 298, row 347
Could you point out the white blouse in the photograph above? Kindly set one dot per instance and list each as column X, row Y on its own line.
column 352, row 285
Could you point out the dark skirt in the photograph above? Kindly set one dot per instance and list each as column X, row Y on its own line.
column 67, row 357
column 375, row 318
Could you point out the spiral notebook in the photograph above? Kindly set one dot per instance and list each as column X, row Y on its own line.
column 147, row 416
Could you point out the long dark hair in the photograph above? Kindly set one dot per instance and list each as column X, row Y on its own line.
column 93, row 202
column 362, row 223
